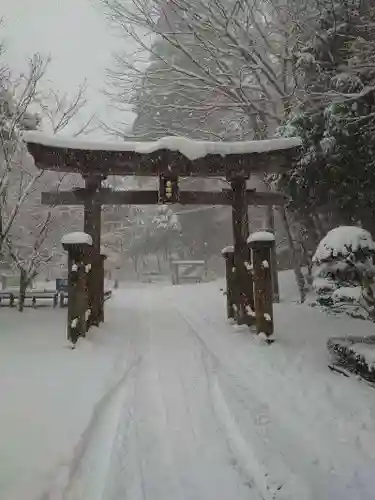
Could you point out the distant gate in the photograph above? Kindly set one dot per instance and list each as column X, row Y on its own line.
column 187, row 271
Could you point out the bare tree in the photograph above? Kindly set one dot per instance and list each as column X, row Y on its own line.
column 15, row 99
column 60, row 109
column 246, row 67
column 26, row 226
column 28, row 259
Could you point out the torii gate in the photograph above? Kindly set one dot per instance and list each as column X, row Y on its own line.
column 168, row 158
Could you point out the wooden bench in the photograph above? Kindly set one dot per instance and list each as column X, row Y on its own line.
column 42, row 294
column 32, row 295
column 6, row 295
column 63, row 297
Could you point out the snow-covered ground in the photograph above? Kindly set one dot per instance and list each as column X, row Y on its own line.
column 47, row 393
column 191, row 408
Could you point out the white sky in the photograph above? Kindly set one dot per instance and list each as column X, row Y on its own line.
column 76, row 35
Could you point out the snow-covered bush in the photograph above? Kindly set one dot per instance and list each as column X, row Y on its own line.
column 344, row 271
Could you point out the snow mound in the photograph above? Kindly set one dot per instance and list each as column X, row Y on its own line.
column 343, row 241
column 261, row 236
column 76, row 238
column 344, row 272
column 190, row 148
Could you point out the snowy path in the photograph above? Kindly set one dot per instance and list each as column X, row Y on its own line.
column 205, row 413
column 170, row 443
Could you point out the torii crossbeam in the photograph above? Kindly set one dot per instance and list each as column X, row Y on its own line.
column 107, row 196
column 171, row 156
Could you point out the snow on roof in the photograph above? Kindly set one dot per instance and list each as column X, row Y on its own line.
column 190, row 148
column 261, row 236
column 343, row 240
column 76, row 238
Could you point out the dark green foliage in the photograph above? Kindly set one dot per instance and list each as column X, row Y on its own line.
column 336, row 170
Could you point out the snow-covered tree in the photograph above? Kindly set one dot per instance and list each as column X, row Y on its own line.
column 344, row 271
column 225, row 59
column 16, row 180
column 333, row 182
column 26, row 226
column 166, row 104
column 165, row 231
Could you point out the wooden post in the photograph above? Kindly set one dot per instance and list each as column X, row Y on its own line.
column 205, row 258
column 274, row 272
column 92, row 226
column 78, row 308
column 261, row 245
column 243, row 295
column 228, row 254
column 102, row 259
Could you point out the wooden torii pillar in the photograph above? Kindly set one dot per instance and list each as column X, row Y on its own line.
column 92, row 226
column 243, row 293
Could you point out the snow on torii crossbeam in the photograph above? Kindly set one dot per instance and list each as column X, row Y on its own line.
column 170, row 157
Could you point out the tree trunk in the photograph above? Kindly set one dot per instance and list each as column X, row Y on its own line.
column 22, row 290
column 1, row 229
column 314, row 228
column 135, row 263
column 144, row 262
column 300, row 279
column 159, row 263
column 320, row 231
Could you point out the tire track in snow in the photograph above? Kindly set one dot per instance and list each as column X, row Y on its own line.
column 89, row 468
column 184, row 455
column 245, row 454
column 241, row 451
column 142, row 466
column 313, row 451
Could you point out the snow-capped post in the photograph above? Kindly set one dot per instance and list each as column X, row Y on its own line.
column 76, row 245
column 92, row 226
column 228, row 254
column 261, row 245
column 243, row 294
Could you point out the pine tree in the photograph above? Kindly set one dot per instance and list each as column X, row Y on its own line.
column 166, row 103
